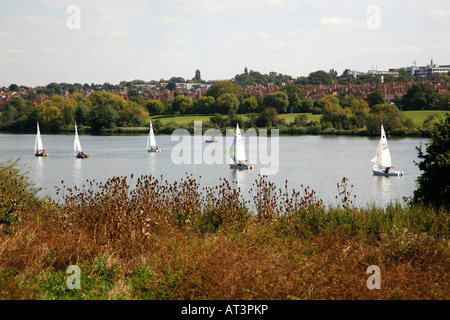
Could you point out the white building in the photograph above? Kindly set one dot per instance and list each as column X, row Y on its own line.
column 432, row 68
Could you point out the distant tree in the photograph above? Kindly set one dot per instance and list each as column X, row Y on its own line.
column 154, row 107
column 171, row 85
column 82, row 113
column 333, row 73
column 368, row 78
column 320, row 77
column 249, row 105
column 206, row 104
column 359, row 108
column 220, row 87
column 419, row 96
column 306, row 105
column 227, row 103
column 267, row 118
column 198, row 76
column 180, row 104
column 393, row 119
column 301, row 120
column 18, row 114
column 375, row 97
column 434, row 182
column 104, row 109
column 278, row 100
column 132, row 114
column 444, row 100
column 14, row 87
column 292, row 91
column 333, row 115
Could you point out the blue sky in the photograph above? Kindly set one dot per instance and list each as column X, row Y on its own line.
column 152, row 40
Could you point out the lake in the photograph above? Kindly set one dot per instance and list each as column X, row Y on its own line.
column 319, row 162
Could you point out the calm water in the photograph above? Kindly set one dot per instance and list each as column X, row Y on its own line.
column 319, row 162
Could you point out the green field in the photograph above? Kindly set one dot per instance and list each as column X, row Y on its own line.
column 417, row 116
column 290, row 117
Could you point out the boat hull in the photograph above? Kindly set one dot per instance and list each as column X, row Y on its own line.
column 41, row 154
column 84, row 156
column 389, row 174
column 241, row 167
column 153, row 150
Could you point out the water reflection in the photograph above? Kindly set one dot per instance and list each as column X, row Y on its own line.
column 39, row 168
column 77, row 171
column 385, row 188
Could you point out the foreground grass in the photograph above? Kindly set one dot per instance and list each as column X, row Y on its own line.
column 140, row 238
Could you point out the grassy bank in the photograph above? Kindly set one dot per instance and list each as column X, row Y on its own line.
column 141, row 238
column 417, row 117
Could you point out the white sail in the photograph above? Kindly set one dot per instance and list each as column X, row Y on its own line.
column 76, row 142
column 38, row 146
column 237, row 150
column 383, row 156
column 151, row 142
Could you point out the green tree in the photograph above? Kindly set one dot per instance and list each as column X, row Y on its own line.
column 227, row 103
column 206, row 104
column 18, row 114
column 333, row 115
column 249, row 105
column 419, row 97
column 104, row 109
column 154, row 107
column 51, row 118
column 180, row 104
column 393, row 119
column 434, row 182
column 306, row 105
column 132, row 114
column 220, row 87
column 82, row 113
column 320, row 77
column 267, row 118
column 197, row 76
column 278, row 100
column 444, row 100
column 333, row 73
column 359, row 108
column 295, row 101
column 376, row 97
column 14, row 87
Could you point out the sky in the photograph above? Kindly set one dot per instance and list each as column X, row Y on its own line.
column 98, row 41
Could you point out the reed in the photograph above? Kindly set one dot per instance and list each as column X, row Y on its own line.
column 146, row 238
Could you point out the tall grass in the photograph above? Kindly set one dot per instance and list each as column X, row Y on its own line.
column 145, row 238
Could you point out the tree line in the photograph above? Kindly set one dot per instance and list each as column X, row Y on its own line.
column 106, row 110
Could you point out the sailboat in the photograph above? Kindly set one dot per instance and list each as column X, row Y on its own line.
column 151, row 142
column 77, row 146
column 237, row 152
column 39, row 150
column 382, row 161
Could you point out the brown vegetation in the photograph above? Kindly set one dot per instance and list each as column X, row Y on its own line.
column 156, row 240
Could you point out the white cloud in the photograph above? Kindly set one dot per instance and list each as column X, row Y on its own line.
column 333, row 21
column 178, row 21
